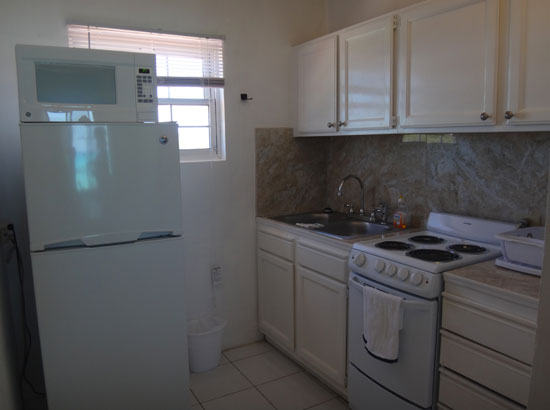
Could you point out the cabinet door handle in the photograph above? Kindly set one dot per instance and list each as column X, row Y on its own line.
column 342, row 123
column 508, row 115
column 330, row 125
column 484, row 116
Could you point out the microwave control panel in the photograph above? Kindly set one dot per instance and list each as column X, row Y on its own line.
column 144, row 82
column 146, row 93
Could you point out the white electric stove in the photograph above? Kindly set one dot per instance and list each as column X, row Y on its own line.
column 410, row 266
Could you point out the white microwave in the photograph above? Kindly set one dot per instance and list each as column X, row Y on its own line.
column 61, row 84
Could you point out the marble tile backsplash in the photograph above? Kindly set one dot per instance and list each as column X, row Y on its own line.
column 501, row 176
column 290, row 172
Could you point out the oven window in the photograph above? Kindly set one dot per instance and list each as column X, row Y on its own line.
column 75, row 83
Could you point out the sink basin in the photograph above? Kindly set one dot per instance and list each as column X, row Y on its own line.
column 336, row 225
column 311, row 218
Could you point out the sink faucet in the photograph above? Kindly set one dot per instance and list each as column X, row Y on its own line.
column 341, row 187
column 382, row 210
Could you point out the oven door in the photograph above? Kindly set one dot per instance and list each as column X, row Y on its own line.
column 411, row 378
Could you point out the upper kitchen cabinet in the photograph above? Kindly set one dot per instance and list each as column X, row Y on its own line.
column 357, row 64
column 365, row 75
column 528, row 97
column 317, row 86
column 448, row 63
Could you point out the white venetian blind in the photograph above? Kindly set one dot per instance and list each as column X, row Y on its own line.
column 181, row 60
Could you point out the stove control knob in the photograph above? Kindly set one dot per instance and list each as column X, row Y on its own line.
column 416, row 278
column 360, row 259
column 390, row 270
column 403, row 274
column 379, row 267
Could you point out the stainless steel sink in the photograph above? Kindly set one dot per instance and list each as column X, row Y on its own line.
column 337, row 225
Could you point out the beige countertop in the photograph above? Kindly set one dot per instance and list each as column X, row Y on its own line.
column 312, row 233
column 494, row 276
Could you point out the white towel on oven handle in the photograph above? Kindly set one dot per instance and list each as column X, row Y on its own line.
column 382, row 319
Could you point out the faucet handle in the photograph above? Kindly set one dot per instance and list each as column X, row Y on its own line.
column 372, row 217
column 349, row 207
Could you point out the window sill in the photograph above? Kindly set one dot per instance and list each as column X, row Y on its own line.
column 186, row 157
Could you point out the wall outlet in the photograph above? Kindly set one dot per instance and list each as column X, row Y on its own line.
column 216, row 275
column 6, row 235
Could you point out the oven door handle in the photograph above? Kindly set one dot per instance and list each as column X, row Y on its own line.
column 354, row 282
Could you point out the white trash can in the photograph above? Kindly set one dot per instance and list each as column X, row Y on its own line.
column 205, row 343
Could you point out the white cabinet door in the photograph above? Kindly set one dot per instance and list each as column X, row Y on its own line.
column 321, row 305
column 276, row 298
column 448, row 63
column 317, row 85
column 366, row 78
column 529, row 63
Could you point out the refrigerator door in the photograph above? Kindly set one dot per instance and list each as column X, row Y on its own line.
column 112, row 326
column 93, row 184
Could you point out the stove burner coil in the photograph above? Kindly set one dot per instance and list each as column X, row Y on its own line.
column 427, row 239
column 466, row 248
column 433, row 255
column 394, row 245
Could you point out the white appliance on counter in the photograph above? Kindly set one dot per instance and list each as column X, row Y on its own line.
column 61, row 84
column 410, row 266
column 105, row 225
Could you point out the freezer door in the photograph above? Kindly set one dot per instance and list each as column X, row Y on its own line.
column 112, row 326
column 96, row 183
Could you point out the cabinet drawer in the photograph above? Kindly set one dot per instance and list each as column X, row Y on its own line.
column 329, row 261
column 458, row 393
column 276, row 242
column 499, row 373
column 505, row 333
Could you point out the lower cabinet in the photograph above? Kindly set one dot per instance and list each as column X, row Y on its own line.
column 460, row 393
column 276, row 295
column 321, row 310
column 487, row 343
column 302, row 292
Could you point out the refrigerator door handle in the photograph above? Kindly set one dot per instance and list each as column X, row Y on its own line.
column 109, row 239
column 125, row 237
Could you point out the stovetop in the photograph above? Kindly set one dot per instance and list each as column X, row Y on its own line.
column 430, row 251
column 413, row 262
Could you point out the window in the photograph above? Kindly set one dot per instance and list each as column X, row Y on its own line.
column 190, row 81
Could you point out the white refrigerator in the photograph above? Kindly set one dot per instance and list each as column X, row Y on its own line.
column 104, row 212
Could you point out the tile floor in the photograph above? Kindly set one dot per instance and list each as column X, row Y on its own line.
column 258, row 377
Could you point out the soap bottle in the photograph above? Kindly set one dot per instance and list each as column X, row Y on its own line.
column 401, row 215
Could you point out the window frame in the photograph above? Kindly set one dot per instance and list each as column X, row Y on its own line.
column 213, row 87
column 215, row 113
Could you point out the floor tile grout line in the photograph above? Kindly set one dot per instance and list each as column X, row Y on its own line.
column 228, row 394
column 244, row 375
column 194, row 395
column 256, row 388
column 248, row 357
column 265, row 397
column 279, row 378
column 323, row 402
column 225, row 395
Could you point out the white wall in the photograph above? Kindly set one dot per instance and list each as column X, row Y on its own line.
column 342, row 14
column 218, row 198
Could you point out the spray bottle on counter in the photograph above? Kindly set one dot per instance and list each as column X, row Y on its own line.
column 401, row 215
